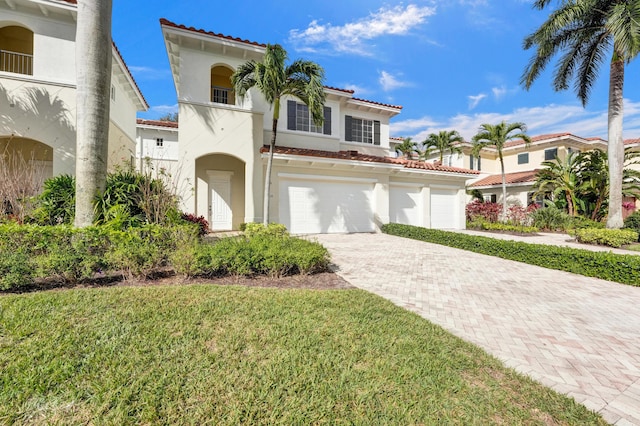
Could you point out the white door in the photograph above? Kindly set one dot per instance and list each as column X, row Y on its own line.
column 405, row 205
column 445, row 209
column 221, row 217
column 316, row 207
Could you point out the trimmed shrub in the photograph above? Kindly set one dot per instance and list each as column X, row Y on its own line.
column 581, row 222
column 632, row 222
column 272, row 229
column 606, row 237
column 606, row 265
column 16, row 270
column 503, row 227
column 203, row 224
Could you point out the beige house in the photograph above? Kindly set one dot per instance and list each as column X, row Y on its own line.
column 339, row 177
column 38, row 89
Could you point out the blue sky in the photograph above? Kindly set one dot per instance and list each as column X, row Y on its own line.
column 451, row 64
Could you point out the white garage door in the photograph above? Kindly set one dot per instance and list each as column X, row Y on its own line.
column 445, row 209
column 319, row 206
column 405, row 205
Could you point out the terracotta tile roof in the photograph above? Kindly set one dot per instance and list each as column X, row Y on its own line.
column 168, row 23
column 378, row 103
column 69, row 1
column 340, row 90
column 537, row 139
column 159, row 123
column 356, row 156
column 511, row 178
column 631, row 141
column 128, row 71
column 396, row 138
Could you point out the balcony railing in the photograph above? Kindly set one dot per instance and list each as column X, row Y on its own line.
column 222, row 95
column 15, row 62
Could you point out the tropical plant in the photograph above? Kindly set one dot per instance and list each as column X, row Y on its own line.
column 57, row 201
column 274, row 79
column 444, row 141
column 407, row 148
column 93, row 72
column 496, row 136
column 561, row 178
column 584, row 32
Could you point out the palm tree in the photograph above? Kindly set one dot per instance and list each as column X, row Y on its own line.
column 496, row 136
column 93, row 71
column 584, row 32
column 407, row 148
column 561, row 177
column 274, row 79
column 444, row 141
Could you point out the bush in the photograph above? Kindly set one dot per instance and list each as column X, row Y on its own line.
column 203, row 224
column 606, row 237
column 56, row 204
column 606, row 265
column 272, row 229
column 550, row 219
column 581, row 222
column 490, row 212
column 504, row 227
column 633, row 222
column 16, row 270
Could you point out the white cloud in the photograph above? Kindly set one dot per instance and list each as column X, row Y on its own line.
column 539, row 120
column 475, row 100
column 358, row 90
column 158, row 111
column 499, row 92
column 350, row 38
column 389, row 82
column 148, row 73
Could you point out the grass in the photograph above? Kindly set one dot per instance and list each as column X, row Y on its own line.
column 231, row 355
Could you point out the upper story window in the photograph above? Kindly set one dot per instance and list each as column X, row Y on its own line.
column 221, row 89
column 523, row 158
column 159, row 142
column 299, row 118
column 362, row 130
column 16, row 50
column 550, row 154
column 475, row 162
column 573, row 151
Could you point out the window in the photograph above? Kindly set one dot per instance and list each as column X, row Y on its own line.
column 523, row 158
column 221, row 89
column 299, row 118
column 362, row 130
column 447, row 160
column 573, row 151
column 474, row 162
column 159, row 142
column 490, row 198
column 16, row 50
column 550, row 154
column 220, row 95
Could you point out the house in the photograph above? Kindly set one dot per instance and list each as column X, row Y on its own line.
column 339, row 177
column 38, row 88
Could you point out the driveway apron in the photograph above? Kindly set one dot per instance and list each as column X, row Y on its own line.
column 577, row 335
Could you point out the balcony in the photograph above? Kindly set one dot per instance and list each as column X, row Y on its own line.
column 222, row 95
column 15, row 62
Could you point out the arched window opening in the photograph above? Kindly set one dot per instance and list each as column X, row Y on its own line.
column 16, row 50
column 221, row 89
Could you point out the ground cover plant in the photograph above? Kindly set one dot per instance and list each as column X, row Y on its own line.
column 620, row 268
column 197, row 354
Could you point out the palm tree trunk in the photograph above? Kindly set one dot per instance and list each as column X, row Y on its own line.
column 616, row 142
column 504, row 190
column 93, row 64
column 267, row 178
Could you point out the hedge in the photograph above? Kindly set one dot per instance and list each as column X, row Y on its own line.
column 620, row 268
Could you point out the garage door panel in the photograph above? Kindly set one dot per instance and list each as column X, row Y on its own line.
column 405, row 205
column 308, row 207
column 445, row 211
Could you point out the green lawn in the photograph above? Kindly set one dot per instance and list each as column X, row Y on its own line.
column 204, row 354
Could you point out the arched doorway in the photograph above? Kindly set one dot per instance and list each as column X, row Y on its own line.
column 221, row 88
column 220, row 191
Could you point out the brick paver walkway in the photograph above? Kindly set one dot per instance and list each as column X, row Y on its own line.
column 578, row 335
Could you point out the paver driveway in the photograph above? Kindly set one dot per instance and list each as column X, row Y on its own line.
column 578, row 335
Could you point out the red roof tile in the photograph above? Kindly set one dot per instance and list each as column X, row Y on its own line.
column 378, row 103
column 159, row 123
column 538, row 139
column 168, row 23
column 356, row 156
column 631, row 141
column 340, row 90
column 511, row 178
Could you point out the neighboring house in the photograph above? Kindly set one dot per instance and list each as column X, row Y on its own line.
column 157, row 145
column 339, row 177
column 38, row 88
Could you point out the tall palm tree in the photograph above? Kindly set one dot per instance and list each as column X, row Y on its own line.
column 93, row 71
column 584, row 33
column 274, row 79
column 496, row 136
column 407, row 148
column 444, row 141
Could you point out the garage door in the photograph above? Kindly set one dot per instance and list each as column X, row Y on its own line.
column 405, row 205
column 325, row 206
column 445, row 209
